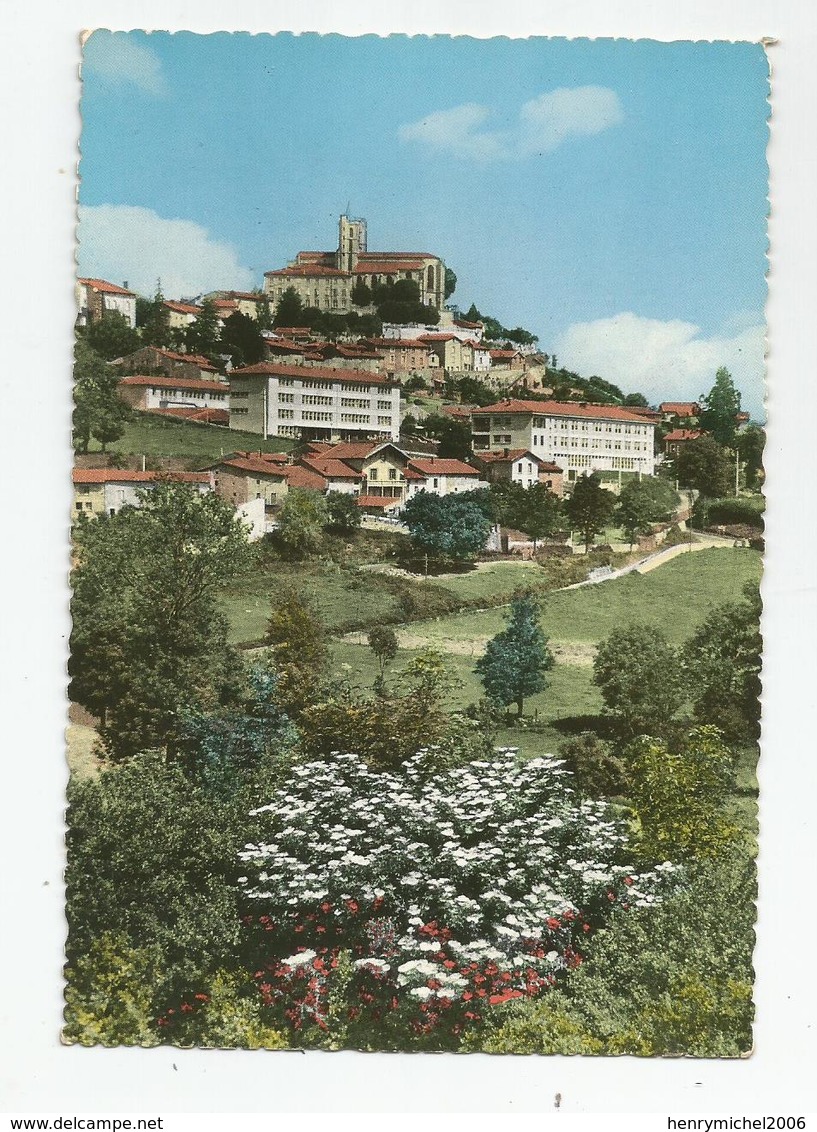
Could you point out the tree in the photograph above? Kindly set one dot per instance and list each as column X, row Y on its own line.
column 361, row 294
column 450, row 283
column 99, row 411
column 590, row 507
column 639, row 675
column 382, row 641
column 678, row 795
column 290, row 309
column 446, row 526
column 644, row 502
column 241, row 338
column 149, row 639
column 539, row 513
column 343, row 513
column 263, row 317
column 301, row 522
column 516, row 660
column 719, row 409
column 154, row 319
column 750, row 444
column 454, row 436
column 722, row 662
column 112, row 336
column 296, row 636
column 203, row 335
column 704, row 466
column 636, row 401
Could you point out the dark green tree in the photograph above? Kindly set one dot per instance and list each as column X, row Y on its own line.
column 99, row 411
column 704, row 465
column 263, row 318
column 538, row 512
column 640, row 679
column 112, row 336
column 382, row 640
column 636, row 401
column 149, row 640
column 297, row 640
column 450, row 283
column 242, row 339
column 203, row 335
column 454, row 436
column 155, row 321
column 290, row 310
column 719, row 409
column 446, row 526
column 750, row 444
column 590, row 507
column 642, row 503
column 516, row 660
column 344, row 515
column 301, row 522
column 361, row 294
column 722, row 663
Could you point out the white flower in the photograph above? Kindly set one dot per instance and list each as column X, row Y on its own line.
column 300, row 959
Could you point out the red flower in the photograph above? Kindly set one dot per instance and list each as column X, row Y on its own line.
column 628, row 880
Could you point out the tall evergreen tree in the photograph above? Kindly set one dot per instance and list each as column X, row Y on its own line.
column 203, row 335
column 719, row 409
column 156, row 322
column 516, row 660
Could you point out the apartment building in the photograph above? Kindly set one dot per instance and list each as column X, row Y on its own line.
column 578, row 436
column 314, row 402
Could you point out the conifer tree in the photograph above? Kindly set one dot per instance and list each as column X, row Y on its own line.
column 516, row 660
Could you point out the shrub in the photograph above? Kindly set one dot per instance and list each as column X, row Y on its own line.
column 738, row 510
column 640, row 679
column 598, row 772
column 451, row 895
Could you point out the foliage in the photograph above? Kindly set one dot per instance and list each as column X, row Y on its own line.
column 99, row 411
column 151, row 858
column 516, row 660
column 203, row 335
column 454, row 436
column 636, row 401
column 750, row 444
column 446, row 526
column 112, row 336
column 154, row 320
column 110, row 993
column 598, row 772
column 148, row 636
column 229, row 1016
column 642, row 503
column 450, row 283
column 343, row 513
column 242, row 339
column 589, row 507
column 361, row 295
column 382, row 640
column 735, row 510
column 719, row 409
column 639, row 676
column 496, row 332
column 301, row 522
column 451, row 895
column 674, row 980
column 289, row 309
column 298, row 650
column 534, row 510
column 722, row 661
column 678, row 793
column 233, row 747
column 703, row 464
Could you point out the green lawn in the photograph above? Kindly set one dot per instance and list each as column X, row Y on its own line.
column 675, row 597
column 151, row 435
column 490, row 579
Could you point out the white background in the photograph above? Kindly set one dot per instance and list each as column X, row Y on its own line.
column 40, row 52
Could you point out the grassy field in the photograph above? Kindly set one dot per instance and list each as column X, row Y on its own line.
column 150, row 435
column 675, row 598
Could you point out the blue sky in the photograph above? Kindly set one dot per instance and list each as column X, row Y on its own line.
column 608, row 195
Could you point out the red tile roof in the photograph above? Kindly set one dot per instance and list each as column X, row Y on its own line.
column 509, row 456
column 468, row 325
column 383, row 502
column 680, row 408
column 181, row 308
column 283, row 345
column 560, row 409
column 162, row 382
column 432, row 466
column 311, row 373
column 297, row 476
column 500, row 354
column 352, row 450
column 289, row 331
column 188, row 412
column 192, row 359
column 386, row 266
column 117, row 475
column 395, row 256
column 438, row 337
column 396, row 343
column 104, row 285
column 305, row 271
column 683, row 434
column 252, row 462
column 330, row 468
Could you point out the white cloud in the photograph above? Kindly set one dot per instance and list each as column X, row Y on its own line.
column 665, row 360
column 119, row 242
column 118, row 60
column 543, row 124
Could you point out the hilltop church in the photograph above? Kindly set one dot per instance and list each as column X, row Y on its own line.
column 325, row 279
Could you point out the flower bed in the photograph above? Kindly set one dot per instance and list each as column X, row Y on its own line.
column 429, row 899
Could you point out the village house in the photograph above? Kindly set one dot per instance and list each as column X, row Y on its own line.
column 674, row 441
column 391, row 472
column 402, row 356
column 98, row 297
column 105, row 491
column 580, row 437
column 454, row 355
column 342, row 355
column 152, row 393
column 520, row 465
column 326, row 279
column 180, row 315
column 237, row 302
column 314, row 403
column 152, row 359
column 679, row 412
column 243, row 476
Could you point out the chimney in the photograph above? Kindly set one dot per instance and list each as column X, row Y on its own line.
column 507, row 451
column 125, row 284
